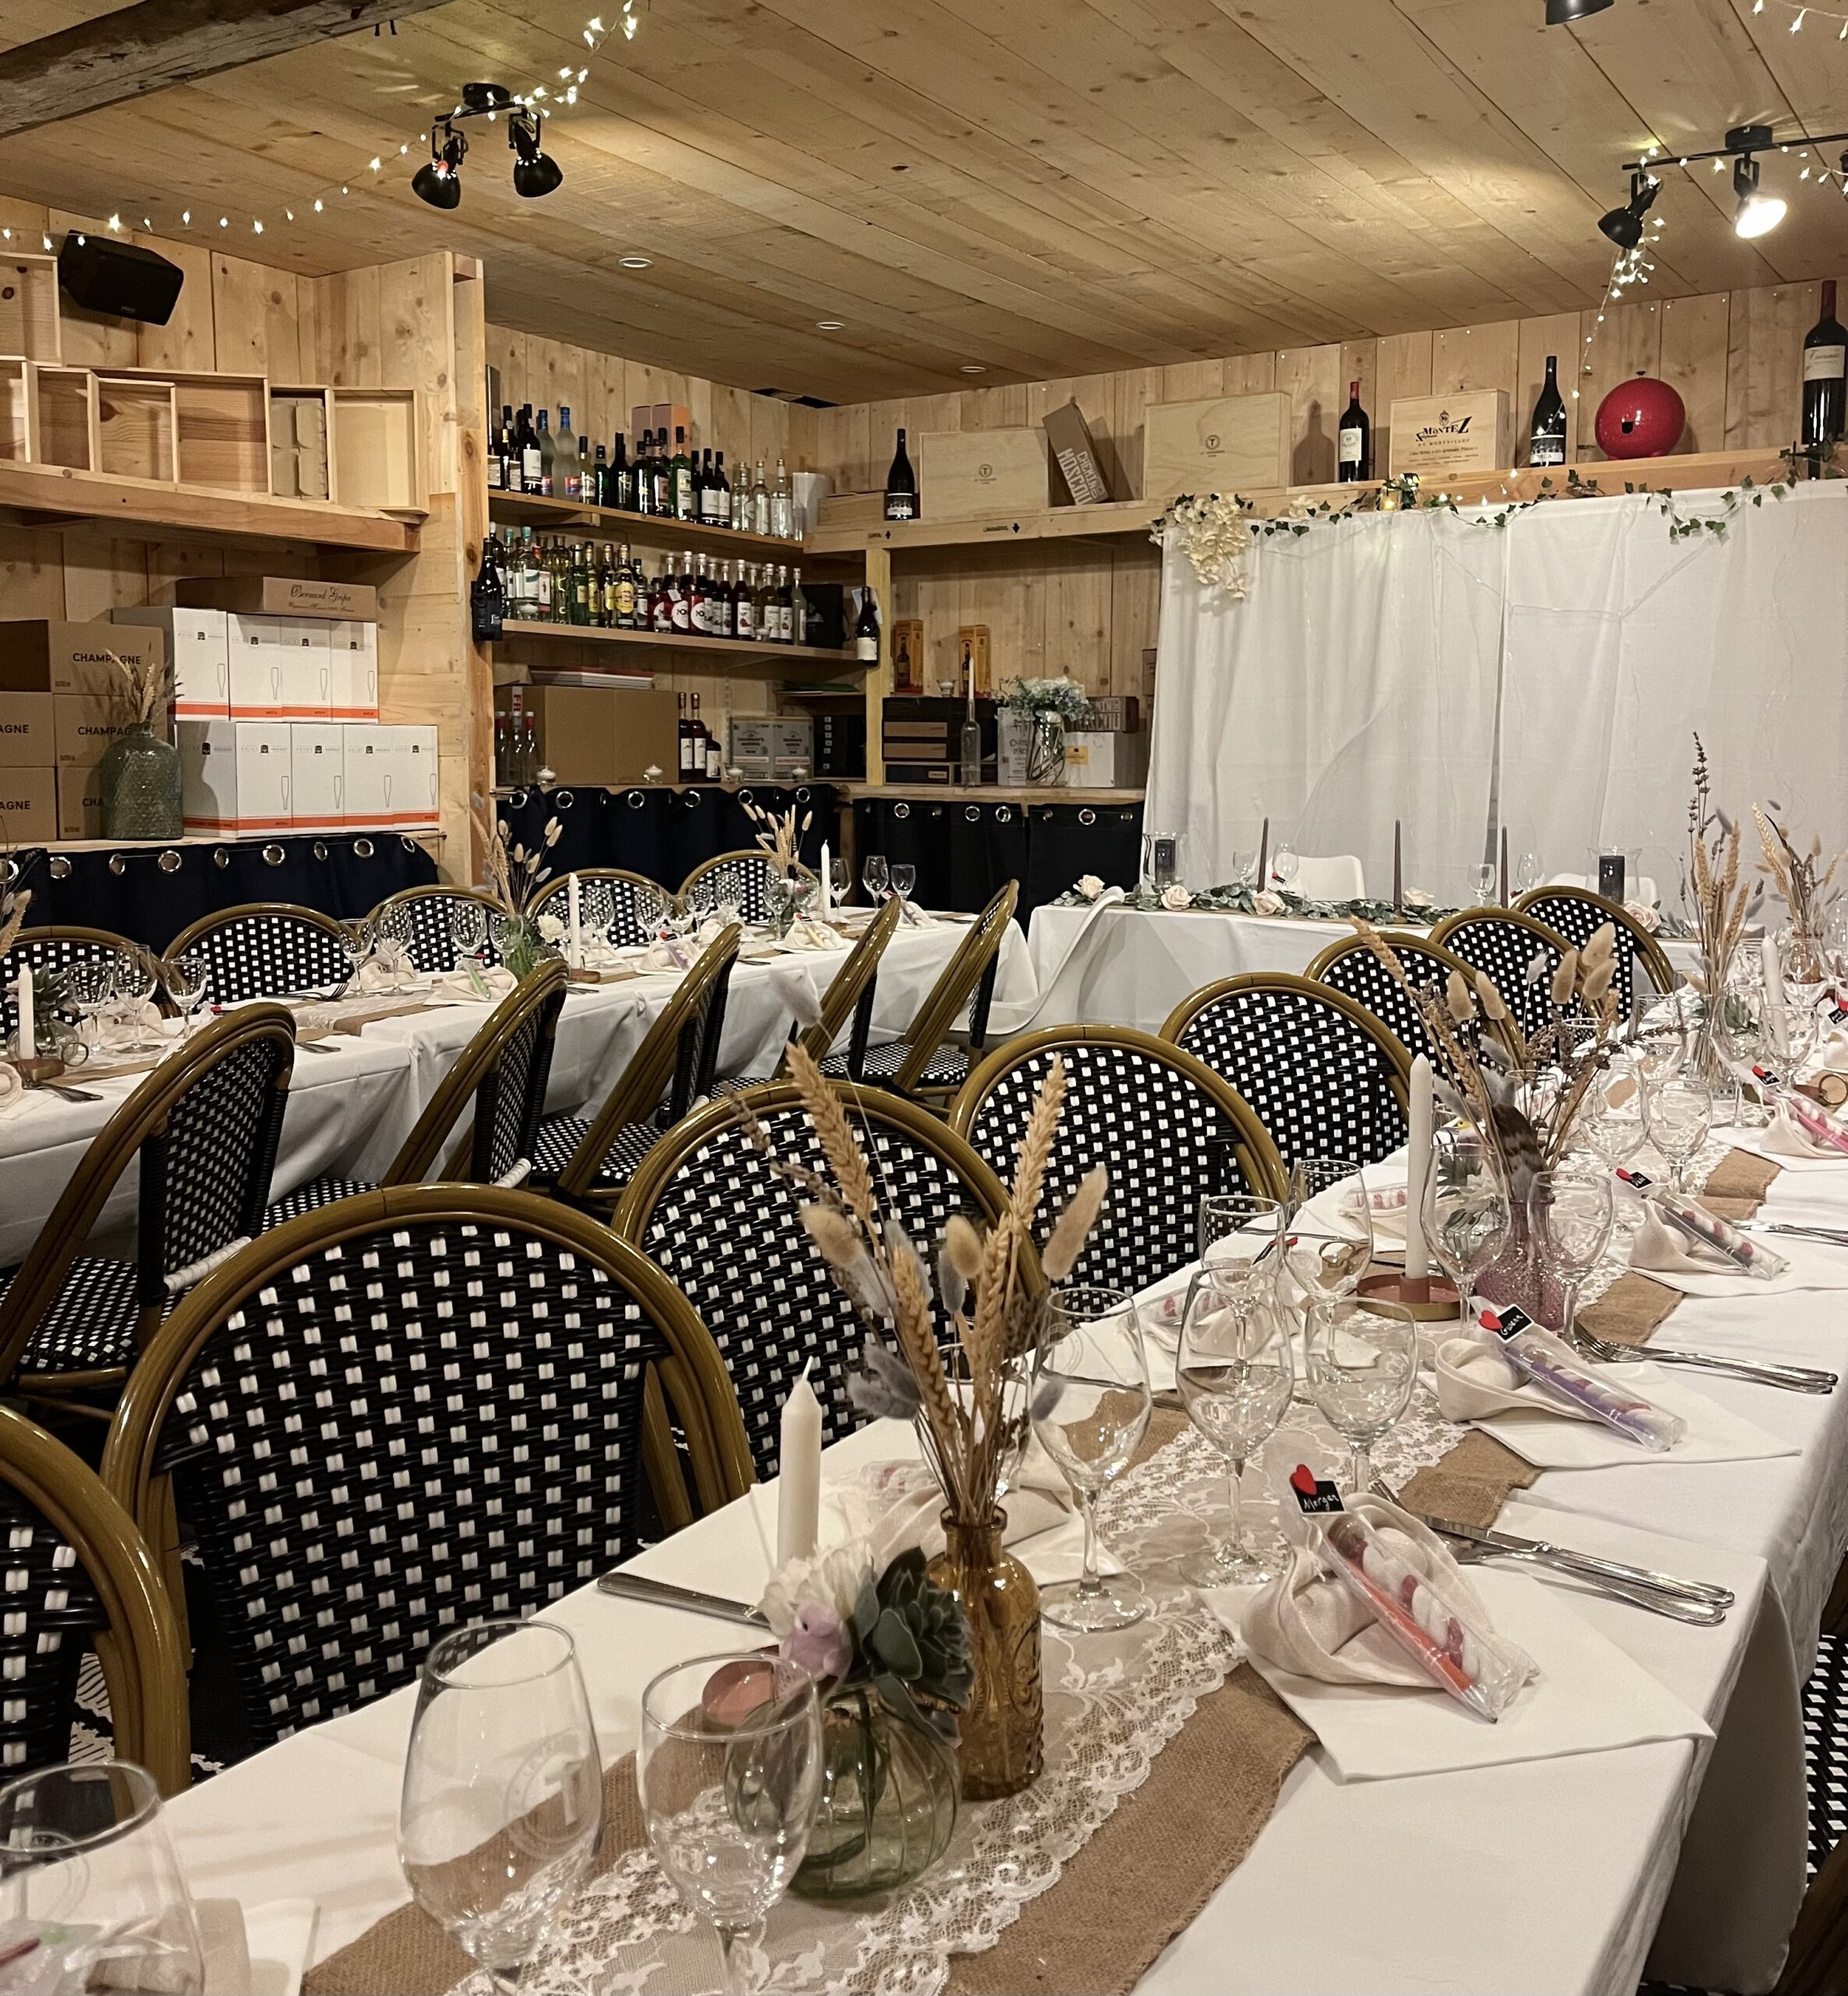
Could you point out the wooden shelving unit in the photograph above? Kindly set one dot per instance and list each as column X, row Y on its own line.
column 638, row 529
column 725, row 655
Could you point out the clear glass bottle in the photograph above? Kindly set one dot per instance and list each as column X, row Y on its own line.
column 565, row 452
column 548, row 459
column 781, row 519
column 760, row 521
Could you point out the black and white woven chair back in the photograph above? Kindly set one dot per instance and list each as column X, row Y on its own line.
column 1317, row 1079
column 725, row 1229
column 41, row 951
column 744, row 880
column 1578, row 920
column 52, row 1611
column 211, row 1166
column 640, row 907
column 267, row 953
column 1507, row 951
column 518, row 1089
column 420, row 920
column 1359, row 974
column 1164, row 1140
column 433, row 1423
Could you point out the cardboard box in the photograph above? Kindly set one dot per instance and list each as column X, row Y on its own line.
column 962, row 473
column 908, row 655
column 599, row 735
column 41, row 655
column 28, row 806
column 84, row 725
column 1014, row 740
column 353, row 671
column 1106, row 761
column 279, row 667
column 1069, row 437
column 369, row 768
column 1439, row 435
column 414, row 781
column 27, row 739
column 317, row 775
column 279, row 596
column 236, row 775
column 1116, row 714
column 658, row 416
column 750, row 749
column 80, row 803
column 1227, row 444
column 199, row 650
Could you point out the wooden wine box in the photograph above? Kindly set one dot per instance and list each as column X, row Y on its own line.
column 1230, row 444
column 961, row 473
column 1439, row 435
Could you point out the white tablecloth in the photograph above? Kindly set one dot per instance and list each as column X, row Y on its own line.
column 350, row 1109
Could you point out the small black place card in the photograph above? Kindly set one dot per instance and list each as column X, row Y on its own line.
column 1507, row 1320
column 1317, row 1497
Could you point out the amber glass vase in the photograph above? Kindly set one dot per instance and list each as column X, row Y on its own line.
column 1002, row 1749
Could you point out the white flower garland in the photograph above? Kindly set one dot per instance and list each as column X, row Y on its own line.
column 1214, row 534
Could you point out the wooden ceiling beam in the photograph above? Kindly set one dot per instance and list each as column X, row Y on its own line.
column 157, row 43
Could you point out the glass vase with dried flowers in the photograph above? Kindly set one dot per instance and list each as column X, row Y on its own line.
column 780, row 841
column 138, row 779
column 513, row 878
column 1720, row 905
column 991, row 1288
column 1806, row 887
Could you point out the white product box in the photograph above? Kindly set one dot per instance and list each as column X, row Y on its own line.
column 371, row 770
column 318, row 763
column 236, row 775
column 1106, row 761
column 279, row 667
column 414, row 789
column 352, row 671
column 198, row 648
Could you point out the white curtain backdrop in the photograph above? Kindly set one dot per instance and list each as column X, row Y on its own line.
column 1358, row 685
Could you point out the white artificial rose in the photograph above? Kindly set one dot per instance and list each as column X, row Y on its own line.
column 1176, row 897
column 13, row 1088
column 1265, row 902
column 1090, row 887
column 551, row 927
column 833, row 1578
column 1644, row 915
column 1416, row 898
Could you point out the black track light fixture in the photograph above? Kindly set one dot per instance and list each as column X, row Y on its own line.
column 439, row 180
column 535, row 171
column 1560, row 13
column 1624, row 225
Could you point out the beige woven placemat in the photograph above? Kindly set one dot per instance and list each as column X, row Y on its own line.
column 1630, row 1309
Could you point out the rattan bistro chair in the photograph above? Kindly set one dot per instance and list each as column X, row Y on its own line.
column 50, row 950
column 1578, row 915
column 1504, row 946
column 642, row 904
column 204, row 1127
column 500, row 1075
column 745, row 880
column 419, row 917
column 1350, row 967
column 922, row 1062
column 588, row 1161
column 706, row 1205
column 1165, row 1126
column 423, row 1407
column 77, row 1573
column 1323, row 1076
column 267, row 949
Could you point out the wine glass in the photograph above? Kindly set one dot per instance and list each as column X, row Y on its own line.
column 596, row 916
column 394, row 938
column 86, row 1869
column 1328, row 1242
column 904, row 878
column 1091, row 1404
column 874, row 877
column 90, row 984
column 1570, row 1215
column 730, row 1771
column 468, row 929
column 1481, row 880
column 1464, row 1215
column 187, row 977
column 1362, row 1360
column 1235, row 1373
column 357, row 939
column 1657, row 1036
column 1526, row 872
column 1615, row 1122
column 503, row 1799
column 1245, row 866
column 1285, row 865
column 137, row 978
column 1238, row 1235
column 1680, row 1112
column 839, row 877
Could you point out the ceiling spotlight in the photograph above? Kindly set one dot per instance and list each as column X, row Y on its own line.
column 478, row 98
column 1758, row 213
column 973, row 367
column 534, row 172
column 1559, row 13
column 439, row 180
column 1624, row 225
column 635, row 262
column 830, row 325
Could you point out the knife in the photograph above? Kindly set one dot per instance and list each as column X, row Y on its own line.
column 664, row 1594
column 1835, row 1238
column 1565, row 1558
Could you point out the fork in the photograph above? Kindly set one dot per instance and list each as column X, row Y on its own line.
column 70, row 1094
column 1793, row 1378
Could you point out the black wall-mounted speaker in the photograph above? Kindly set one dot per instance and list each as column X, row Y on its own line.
column 120, row 278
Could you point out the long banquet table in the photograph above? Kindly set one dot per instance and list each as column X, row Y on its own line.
column 1553, row 1874
column 351, row 1105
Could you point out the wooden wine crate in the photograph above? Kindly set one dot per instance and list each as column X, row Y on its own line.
column 1438, row 435
column 137, row 428
column 373, row 456
column 298, row 427
column 29, row 322
column 962, row 473
column 67, row 417
column 19, row 412
column 221, row 426
column 1228, row 443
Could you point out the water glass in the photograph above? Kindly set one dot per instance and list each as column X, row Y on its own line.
column 1328, row 1237
column 1285, row 865
column 730, row 1769
column 1239, row 1232
column 357, row 938
column 1245, row 866
column 188, row 978
column 137, row 978
column 1091, row 1404
column 503, row 1799
column 1362, row 1361
column 468, row 929
column 88, row 1873
column 1657, row 1034
column 874, row 877
column 90, row 984
column 904, row 878
column 1570, row 1216
column 1482, row 884
column 1235, row 1373
column 1680, row 1114
column 1526, row 872
column 597, row 917
column 1465, row 1214
column 1616, row 1109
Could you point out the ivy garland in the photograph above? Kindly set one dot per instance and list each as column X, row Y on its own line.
column 1242, row 899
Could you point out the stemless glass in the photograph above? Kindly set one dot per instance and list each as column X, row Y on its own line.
column 874, row 877
column 1680, row 1114
column 904, row 878
column 1235, row 1374
column 187, row 978
column 1362, row 1360
column 503, row 1799
column 88, row 1879
column 1570, row 1216
column 1091, row 1403
column 468, row 929
column 1465, row 1213
column 729, row 1773
column 1328, row 1238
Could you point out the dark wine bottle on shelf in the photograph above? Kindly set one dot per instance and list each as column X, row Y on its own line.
column 901, row 486
column 500, row 446
column 487, row 595
column 866, row 630
column 619, row 488
column 531, row 462
column 1546, row 433
column 683, row 501
column 1825, row 375
column 1353, row 440
column 722, row 504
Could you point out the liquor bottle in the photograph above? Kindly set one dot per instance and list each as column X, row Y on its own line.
column 704, row 491
column 589, row 484
column 727, row 602
column 696, row 758
column 619, row 484
column 683, row 605
column 663, row 478
column 581, row 584
column 660, row 599
column 723, row 515
column 799, row 609
column 487, row 595
column 760, row 503
column 970, row 750
column 683, row 747
column 565, row 446
column 1355, row 450
column 548, row 459
column 714, row 759
column 531, row 460
column 683, row 501
column 1546, row 435
column 625, row 594
column 866, row 631
column 745, row 617
column 542, row 584
column 697, row 607
column 643, row 473
column 781, row 521
column 1824, row 374
column 901, row 486
column 497, row 453
column 603, row 588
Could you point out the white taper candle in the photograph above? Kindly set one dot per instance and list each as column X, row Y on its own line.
column 22, row 996
column 1418, row 1169
column 798, row 1473
column 827, row 884
column 575, row 899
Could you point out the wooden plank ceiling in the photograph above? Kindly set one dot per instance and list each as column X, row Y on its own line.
column 1030, row 188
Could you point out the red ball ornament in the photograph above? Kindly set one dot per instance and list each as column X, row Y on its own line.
column 1640, row 418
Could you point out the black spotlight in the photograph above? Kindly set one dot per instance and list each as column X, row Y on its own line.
column 534, row 172
column 1559, row 12
column 439, row 181
column 1624, row 225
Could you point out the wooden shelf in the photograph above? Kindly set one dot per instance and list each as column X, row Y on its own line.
column 638, row 529
column 987, row 793
column 147, row 509
column 724, row 655
column 1119, row 517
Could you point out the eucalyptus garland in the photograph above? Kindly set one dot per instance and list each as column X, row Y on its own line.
column 1242, row 898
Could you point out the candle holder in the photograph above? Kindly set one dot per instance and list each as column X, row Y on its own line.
column 1428, row 1299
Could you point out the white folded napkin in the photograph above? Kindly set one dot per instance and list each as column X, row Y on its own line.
column 13, row 1088
column 279, row 1935
column 899, row 1505
column 1475, row 1379
column 807, row 934
column 1785, row 1139
column 458, row 984
column 1697, row 1270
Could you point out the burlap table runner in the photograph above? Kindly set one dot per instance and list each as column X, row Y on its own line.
column 354, row 1023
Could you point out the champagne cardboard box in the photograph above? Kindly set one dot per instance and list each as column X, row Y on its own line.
column 1075, row 454
column 279, row 596
column 317, row 775
column 28, row 806
column 80, row 803
column 27, row 739
column 42, row 655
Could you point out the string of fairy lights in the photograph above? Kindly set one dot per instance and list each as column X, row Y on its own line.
column 550, row 98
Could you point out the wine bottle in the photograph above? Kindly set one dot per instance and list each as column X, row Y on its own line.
column 532, row 462
column 746, row 617
column 565, row 448
column 680, row 729
column 683, row 501
column 588, row 484
column 1354, row 441
column 798, row 611
column 721, row 502
column 621, row 492
column 1547, row 434
column 901, row 486
column 866, row 630
column 1824, row 374
column 714, row 757
column 487, row 595
column 663, row 478
column 499, row 445
column 703, row 488
column 660, row 599
column 597, row 490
